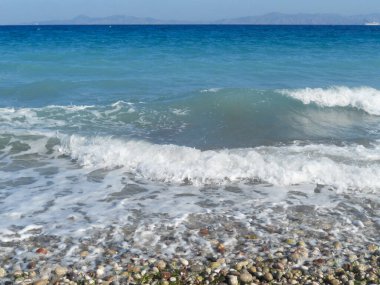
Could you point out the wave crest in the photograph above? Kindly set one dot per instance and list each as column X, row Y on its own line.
column 363, row 98
column 344, row 167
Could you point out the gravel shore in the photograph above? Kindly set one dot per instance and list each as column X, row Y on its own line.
column 290, row 261
column 293, row 241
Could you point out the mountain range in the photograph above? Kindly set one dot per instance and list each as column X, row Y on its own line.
column 267, row 19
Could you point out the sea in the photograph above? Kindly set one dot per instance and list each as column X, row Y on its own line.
column 140, row 136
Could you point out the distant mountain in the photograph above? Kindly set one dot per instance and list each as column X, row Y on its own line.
column 267, row 19
column 111, row 20
column 302, row 19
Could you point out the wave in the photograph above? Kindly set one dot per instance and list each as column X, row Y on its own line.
column 354, row 166
column 232, row 118
column 363, row 98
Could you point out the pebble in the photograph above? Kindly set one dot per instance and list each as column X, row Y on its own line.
column 245, row 277
column 359, row 224
column 204, row 232
column 60, row 271
column 197, row 268
column 337, row 245
column 100, row 271
column 221, row 248
column 184, row 262
column 373, row 247
column 42, row 250
column 252, row 269
column 84, row 253
column 161, row 265
column 41, row 282
column 17, row 273
column 295, row 256
column 166, row 275
column 290, row 241
column 214, row 265
column 3, row 273
column 241, row 264
column 233, row 280
column 268, row 276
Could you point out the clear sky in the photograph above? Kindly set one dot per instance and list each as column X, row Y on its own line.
column 21, row 11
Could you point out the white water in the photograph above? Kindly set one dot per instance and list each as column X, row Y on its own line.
column 89, row 184
column 363, row 98
column 343, row 167
column 72, row 184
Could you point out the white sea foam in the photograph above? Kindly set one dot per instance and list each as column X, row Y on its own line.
column 180, row 112
column 211, row 90
column 364, row 98
column 72, row 108
column 344, row 167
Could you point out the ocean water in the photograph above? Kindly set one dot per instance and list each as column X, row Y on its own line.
column 140, row 133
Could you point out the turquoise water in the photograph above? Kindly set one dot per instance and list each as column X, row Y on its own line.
column 87, row 111
column 164, row 68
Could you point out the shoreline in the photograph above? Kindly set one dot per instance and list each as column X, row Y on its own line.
column 318, row 258
column 312, row 237
column 298, row 263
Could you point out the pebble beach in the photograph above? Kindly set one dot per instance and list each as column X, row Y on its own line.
column 301, row 245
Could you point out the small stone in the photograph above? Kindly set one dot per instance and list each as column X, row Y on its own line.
column 31, row 265
column 100, row 271
column 251, row 236
column 233, row 280
column 358, row 223
column 319, row 261
column 373, row 247
column 111, row 252
column 184, row 262
column 3, row 273
column 290, row 241
column 17, row 273
column 241, row 264
column 268, row 276
column 334, row 282
column 60, row 271
column 295, row 256
column 41, row 282
column 214, row 265
column 84, row 253
column 196, row 268
column 337, row 245
column 166, row 275
column 42, row 250
column 279, row 266
column 173, row 279
column 161, row 265
column 220, row 248
column 301, row 243
column 359, row 268
column 245, row 277
column 204, row 232
column 252, row 269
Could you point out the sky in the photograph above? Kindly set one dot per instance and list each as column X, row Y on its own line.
column 26, row 11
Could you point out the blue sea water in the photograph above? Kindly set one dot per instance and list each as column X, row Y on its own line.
column 87, row 110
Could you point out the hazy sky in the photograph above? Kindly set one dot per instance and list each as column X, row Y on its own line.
column 21, row 11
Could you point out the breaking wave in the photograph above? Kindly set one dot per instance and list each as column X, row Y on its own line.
column 363, row 98
column 351, row 166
